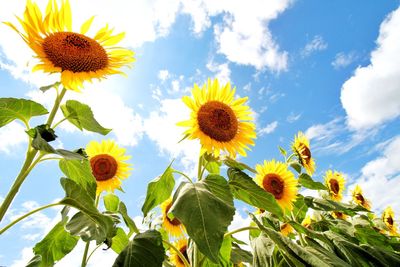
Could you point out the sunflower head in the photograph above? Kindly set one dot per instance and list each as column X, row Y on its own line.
column 275, row 178
column 301, row 147
column 286, row 229
column 173, row 226
column 181, row 245
column 335, row 182
column 388, row 219
column 220, row 122
column 339, row 215
column 108, row 163
column 76, row 56
column 306, row 222
column 359, row 198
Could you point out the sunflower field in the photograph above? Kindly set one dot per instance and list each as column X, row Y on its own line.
column 187, row 216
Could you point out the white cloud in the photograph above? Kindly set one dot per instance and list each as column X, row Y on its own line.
column 12, row 136
column 239, row 222
column 316, row 44
column 247, row 87
column 221, row 71
column 380, row 178
column 292, row 117
column 163, row 75
column 372, row 95
column 269, row 128
column 342, row 59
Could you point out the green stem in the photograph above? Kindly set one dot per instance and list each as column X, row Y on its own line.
column 302, row 242
column 241, row 230
column 85, row 258
column 58, row 123
column 195, row 255
column 290, row 157
column 56, row 106
column 184, row 175
column 91, row 253
column 199, row 169
column 26, row 215
column 184, row 260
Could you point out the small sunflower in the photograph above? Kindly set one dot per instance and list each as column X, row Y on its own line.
column 301, row 146
column 306, row 221
column 339, row 215
column 359, row 198
column 388, row 219
column 181, row 245
column 335, row 182
column 286, row 229
column 275, row 178
column 107, row 161
column 76, row 56
column 174, row 227
column 218, row 120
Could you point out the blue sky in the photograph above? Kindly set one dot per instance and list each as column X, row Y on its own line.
column 330, row 70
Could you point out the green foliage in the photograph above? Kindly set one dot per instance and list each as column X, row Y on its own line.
column 239, row 255
column 119, row 241
column 224, row 258
column 206, row 209
column 145, row 250
column 263, row 248
column 82, row 117
column 21, row 109
column 159, row 190
column 306, row 181
column 330, row 205
column 111, row 202
column 244, row 188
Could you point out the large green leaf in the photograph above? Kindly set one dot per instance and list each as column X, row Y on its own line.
column 263, row 248
column 21, row 109
column 159, row 190
column 328, row 256
column 224, row 255
column 119, row 241
column 55, row 245
column 90, row 224
column 81, row 172
column 239, row 255
column 145, row 250
column 244, row 188
column 306, row 181
column 330, row 205
column 206, row 209
column 81, row 116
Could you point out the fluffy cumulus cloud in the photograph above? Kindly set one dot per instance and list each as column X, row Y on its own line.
column 380, row 177
column 11, row 136
column 372, row 95
column 221, row 71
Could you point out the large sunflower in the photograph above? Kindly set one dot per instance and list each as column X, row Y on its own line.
column 301, row 146
column 76, row 56
column 286, row 229
column 359, row 198
column 107, row 161
column 335, row 182
column 174, row 227
column 218, row 120
column 388, row 219
column 182, row 246
column 275, row 178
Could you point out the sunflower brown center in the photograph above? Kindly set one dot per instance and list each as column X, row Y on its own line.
column 104, row 167
column 360, row 198
column 218, row 121
column 273, row 184
column 175, row 221
column 334, row 186
column 306, row 153
column 183, row 250
column 75, row 52
column 389, row 220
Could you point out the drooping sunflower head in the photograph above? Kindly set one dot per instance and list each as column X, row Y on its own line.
column 76, row 56
column 359, row 198
column 301, row 146
column 286, row 229
column 108, row 163
column 181, row 245
column 275, row 178
column 220, row 122
column 306, row 221
column 388, row 219
column 335, row 182
column 173, row 226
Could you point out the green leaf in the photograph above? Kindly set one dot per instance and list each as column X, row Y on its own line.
column 330, row 205
column 239, row 255
column 306, row 181
column 145, row 250
column 263, row 248
column 21, row 109
column 111, row 202
column 211, row 164
column 35, row 261
column 300, row 208
column 48, row 87
column 89, row 223
column 119, row 241
column 81, row 116
column 296, row 166
column 244, row 188
column 206, row 210
column 224, row 255
column 80, row 172
column 55, row 245
column 159, row 190
column 231, row 163
column 283, row 151
column 128, row 221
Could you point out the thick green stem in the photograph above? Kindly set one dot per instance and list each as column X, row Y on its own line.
column 26, row 215
column 241, row 230
column 181, row 256
column 56, row 106
column 85, row 253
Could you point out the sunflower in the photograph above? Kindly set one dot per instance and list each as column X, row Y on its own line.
column 301, row 146
column 359, row 198
column 335, row 182
column 174, row 227
column 306, row 222
column 388, row 219
column 76, row 56
column 286, row 229
column 218, row 120
column 275, row 178
column 107, row 161
column 181, row 245
column 339, row 215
